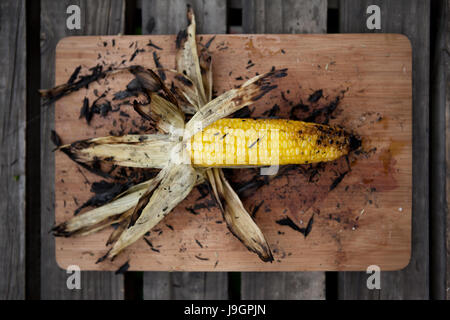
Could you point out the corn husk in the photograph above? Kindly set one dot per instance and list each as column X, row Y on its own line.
column 167, row 117
column 187, row 56
column 138, row 151
column 238, row 220
column 176, row 184
column 87, row 220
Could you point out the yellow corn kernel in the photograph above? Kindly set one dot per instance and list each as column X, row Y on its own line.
column 259, row 142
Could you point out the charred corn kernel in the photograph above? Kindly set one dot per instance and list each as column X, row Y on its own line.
column 257, row 142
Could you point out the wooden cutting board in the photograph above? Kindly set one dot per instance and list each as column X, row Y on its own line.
column 358, row 208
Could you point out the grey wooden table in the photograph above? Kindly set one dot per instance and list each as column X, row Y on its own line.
column 29, row 32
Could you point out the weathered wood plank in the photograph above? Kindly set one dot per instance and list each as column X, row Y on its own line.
column 411, row 18
column 438, row 209
column 12, row 137
column 97, row 17
column 169, row 17
column 284, row 17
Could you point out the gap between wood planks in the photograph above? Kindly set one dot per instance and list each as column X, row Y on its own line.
column 32, row 154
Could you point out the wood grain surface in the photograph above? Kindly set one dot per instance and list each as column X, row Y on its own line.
column 12, row 135
column 98, row 17
column 361, row 207
column 411, row 18
column 281, row 16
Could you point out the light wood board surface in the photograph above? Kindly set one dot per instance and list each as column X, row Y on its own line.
column 411, row 18
column 99, row 17
column 365, row 220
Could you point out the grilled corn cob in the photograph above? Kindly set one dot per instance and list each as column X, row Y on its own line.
column 258, row 142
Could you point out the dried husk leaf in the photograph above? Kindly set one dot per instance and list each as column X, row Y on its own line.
column 174, row 187
column 167, row 117
column 139, row 151
column 95, row 216
column 238, row 220
column 187, row 90
column 187, row 55
column 231, row 101
column 151, row 82
column 119, row 230
column 205, row 60
column 104, row 224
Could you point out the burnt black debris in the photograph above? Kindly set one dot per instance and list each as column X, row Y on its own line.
column 124, row 268
column 288, row 222
column 104, row 192
column 158, row 65
column 151, row 44
column 209, row 42
column 293, row 113
column 309, row 226
column 121, row 95
column 355, row 143
column 203, row 189
column 181, row 38
column 314, row 97
column 84, row 111
column 248, row 187
column 150, row 244
column 96, row 108
column 103, row 258
column 102, row 109
column 325, row 111
column 338, row 180
column 133, row 89
column 272, row 112
column 203, row 205
column 256, row 208
column 124, row 114
column 52, row 95
column 55, row 139
column 184, row 80
column 264, row 90
column 135, row 86
column 243, row 113
column 199, row 244
column 135, row 53
column 74, row 75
